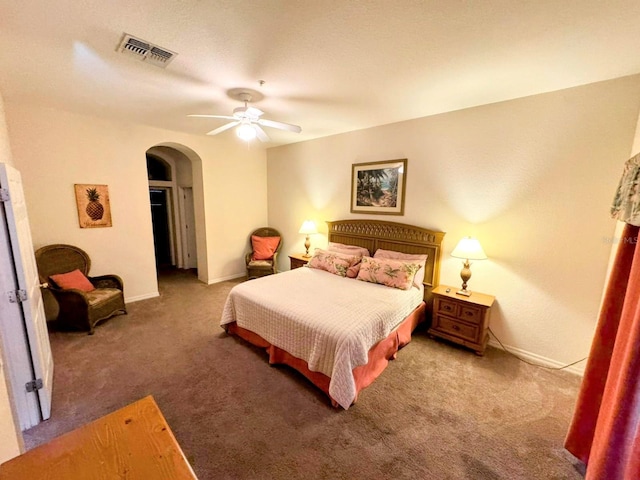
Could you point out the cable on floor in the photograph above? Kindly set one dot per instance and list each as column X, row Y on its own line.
column 533, row 363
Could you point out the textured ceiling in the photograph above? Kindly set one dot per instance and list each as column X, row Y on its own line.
column 330, row 66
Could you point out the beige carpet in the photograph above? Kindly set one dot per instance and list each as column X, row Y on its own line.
column 437, row 412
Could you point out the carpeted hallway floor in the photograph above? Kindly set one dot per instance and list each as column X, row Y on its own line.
column 437, row 412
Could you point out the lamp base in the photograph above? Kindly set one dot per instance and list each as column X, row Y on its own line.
column 465, row 275
column 307, row 245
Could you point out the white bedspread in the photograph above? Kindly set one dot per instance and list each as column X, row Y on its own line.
column 329, row 321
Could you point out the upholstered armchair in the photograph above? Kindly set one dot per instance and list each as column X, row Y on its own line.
column 262, row 260
column 83, row 300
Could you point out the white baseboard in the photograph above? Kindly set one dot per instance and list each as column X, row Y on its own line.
column 577, row 369
column 145, row 296
column 224, row 279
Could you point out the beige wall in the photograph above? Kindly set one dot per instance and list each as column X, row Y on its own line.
column 11, row 439
column 55, row 149
column 5, row 147
column 532, row 178
column 11, row 443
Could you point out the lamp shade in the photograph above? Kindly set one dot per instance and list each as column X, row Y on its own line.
column 308, row 227
column 469, row 249
column 246, row 132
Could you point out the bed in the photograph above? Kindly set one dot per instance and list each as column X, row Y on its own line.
column 338, row 332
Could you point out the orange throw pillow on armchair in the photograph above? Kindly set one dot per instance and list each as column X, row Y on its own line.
column 74, row 279
column 264, row 247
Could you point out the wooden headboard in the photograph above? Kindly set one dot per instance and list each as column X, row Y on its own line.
column 374, row 234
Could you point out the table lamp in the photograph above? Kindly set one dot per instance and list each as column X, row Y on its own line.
column 307, row 228
column 468, row 249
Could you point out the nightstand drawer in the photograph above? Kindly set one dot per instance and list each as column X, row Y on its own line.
column 298, row 260
column 467, row 313
column 470, row 314
column 448, row 307
column 457, row 328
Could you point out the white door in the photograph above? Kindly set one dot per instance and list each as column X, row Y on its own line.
column 191, row 257
column 24, row 327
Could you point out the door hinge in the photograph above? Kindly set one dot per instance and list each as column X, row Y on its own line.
column 34, row 385
column 4, row 195
column 17, row 296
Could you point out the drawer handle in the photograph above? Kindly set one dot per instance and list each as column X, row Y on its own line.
column 470, row 314
column 455, row 327
column 446, row 307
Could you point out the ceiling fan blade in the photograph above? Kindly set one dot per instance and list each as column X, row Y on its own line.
column 223, row 128
column 280, row 125
column 226, row 117
column 261, row 134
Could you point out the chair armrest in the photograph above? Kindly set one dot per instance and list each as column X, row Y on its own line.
column 107, row 281
column 247, row 258
column 275, row 262
column 70, row 296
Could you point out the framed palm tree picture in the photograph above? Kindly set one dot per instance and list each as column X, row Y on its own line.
column 378, row 187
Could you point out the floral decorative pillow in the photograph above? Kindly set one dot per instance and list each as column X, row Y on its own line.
column 389, row 272
column 406, row 257
column 351, row 250
column 333, row 262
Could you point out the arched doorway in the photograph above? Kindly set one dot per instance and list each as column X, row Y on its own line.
column 177, row 207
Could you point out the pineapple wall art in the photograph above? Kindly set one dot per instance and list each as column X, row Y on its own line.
column 94, row 210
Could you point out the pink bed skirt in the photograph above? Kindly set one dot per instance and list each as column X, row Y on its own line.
column 364, row 375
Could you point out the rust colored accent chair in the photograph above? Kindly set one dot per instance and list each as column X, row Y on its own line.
column 83, row 300
column 262, row 260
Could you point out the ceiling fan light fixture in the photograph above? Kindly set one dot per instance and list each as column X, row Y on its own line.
column 248, row 119
column 246, row 132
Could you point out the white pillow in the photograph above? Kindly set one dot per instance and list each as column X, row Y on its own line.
column 420, row 258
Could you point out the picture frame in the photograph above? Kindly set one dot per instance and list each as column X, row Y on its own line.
column 379, row 187
column 94, row 206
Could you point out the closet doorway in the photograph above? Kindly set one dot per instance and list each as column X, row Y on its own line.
column 163, row 228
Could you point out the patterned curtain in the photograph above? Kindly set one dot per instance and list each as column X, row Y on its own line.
column 626, row 203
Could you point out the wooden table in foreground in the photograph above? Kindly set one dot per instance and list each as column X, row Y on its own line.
column 134, row 442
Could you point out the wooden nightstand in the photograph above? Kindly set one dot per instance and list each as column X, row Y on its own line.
column 298, row 260
column 460, row 319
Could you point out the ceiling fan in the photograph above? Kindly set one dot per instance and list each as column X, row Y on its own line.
column 249, row 122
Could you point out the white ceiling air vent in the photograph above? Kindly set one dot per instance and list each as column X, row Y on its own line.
column 145, row 51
